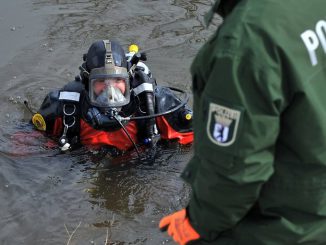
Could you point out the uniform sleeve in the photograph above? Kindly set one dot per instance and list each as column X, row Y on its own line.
column 237, row 124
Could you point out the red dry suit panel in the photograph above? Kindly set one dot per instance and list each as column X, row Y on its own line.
column 168, row 133
column 92, row 137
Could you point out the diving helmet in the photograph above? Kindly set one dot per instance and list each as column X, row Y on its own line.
column 107, row 74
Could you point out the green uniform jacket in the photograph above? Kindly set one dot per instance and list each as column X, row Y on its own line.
column 258, row 175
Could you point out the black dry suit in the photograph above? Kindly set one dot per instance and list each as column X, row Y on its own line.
column 69, row 115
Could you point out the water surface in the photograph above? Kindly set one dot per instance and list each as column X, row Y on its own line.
column 46, row 195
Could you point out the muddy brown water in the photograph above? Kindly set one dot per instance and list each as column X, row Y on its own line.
column 74, row 198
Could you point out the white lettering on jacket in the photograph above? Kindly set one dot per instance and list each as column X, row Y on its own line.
column 312, row 40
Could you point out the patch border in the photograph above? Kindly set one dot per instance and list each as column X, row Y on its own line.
column 211, row 108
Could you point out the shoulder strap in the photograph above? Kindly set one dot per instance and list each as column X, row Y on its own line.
column 71, row 97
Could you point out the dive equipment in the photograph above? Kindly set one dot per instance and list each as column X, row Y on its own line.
column 128, row 135
column 133, row 48
column 185, row 116
column 39, row 122
column 139, row 56
column 183, row 102
column 173, row 109
column 71, row 99
column 67, row 116
column 108, row 80
column 104, row 69
column 143, row 89
column 105, row 120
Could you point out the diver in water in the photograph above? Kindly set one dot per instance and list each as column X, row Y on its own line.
column 114, row 102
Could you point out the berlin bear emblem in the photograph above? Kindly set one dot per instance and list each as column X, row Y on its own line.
column 222, row 124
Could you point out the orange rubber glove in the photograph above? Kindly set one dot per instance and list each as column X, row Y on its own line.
column 179, row 227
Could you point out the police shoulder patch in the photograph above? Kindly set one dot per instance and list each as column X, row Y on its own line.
column 222, row 125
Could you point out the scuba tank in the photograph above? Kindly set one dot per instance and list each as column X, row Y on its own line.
column 143, row 87
column 144, row 90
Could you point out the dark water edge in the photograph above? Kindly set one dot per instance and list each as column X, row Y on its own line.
column 45, row 195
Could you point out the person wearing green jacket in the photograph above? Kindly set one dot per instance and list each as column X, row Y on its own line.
column 258, row 174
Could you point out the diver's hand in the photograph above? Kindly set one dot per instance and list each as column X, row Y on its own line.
column 179, row 228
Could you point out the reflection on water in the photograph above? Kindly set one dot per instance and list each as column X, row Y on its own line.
column 45, row 194
column 128, row 186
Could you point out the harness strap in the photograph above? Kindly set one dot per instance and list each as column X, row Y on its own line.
column 70, row 96
column 148, row 87
column 71, row 114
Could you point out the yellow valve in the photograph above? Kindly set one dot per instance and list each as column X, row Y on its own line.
column 188, row 116
column 133, row 48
